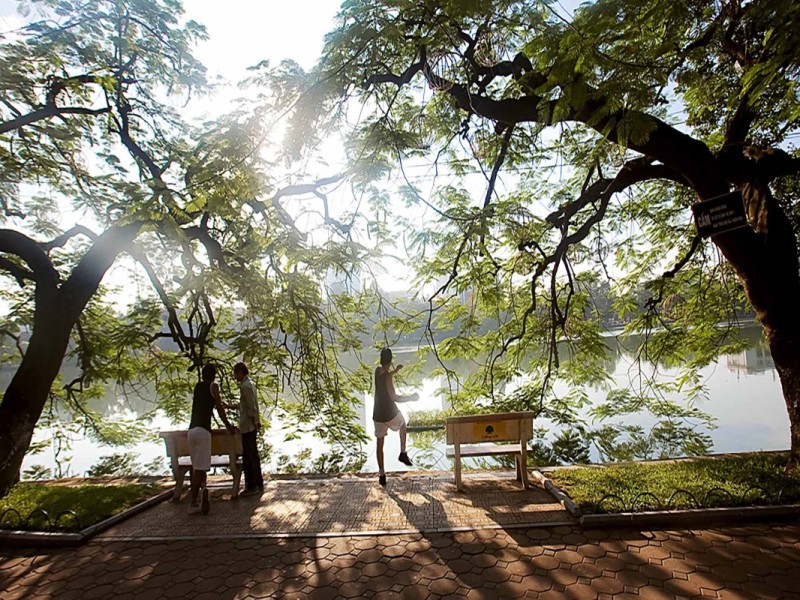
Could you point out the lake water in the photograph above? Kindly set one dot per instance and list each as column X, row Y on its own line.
column 743, row 389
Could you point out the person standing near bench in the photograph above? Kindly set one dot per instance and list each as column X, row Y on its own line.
column 205, row 398
column 249, row 425
column 385, row 414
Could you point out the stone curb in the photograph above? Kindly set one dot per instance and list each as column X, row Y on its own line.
column 57, row 539
column 558, row 493
column 691, row 516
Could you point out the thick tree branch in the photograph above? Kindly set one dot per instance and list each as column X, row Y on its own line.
column 398, row 80
column 62, row 239
column 16, row 271
column 772, row 163
column 216, row 252
column 87, row 274
column 50, row 108
column 47, row 112
column 646, row 171
column 20, row 245
column 664, row 143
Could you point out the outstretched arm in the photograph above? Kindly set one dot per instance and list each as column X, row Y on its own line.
column 394, row 395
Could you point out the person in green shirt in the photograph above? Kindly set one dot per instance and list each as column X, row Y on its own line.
column 249, row 425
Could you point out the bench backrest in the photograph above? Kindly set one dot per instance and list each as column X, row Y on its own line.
column 222, row 442
column 500, row 427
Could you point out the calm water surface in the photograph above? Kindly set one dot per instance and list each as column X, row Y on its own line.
column 744, row 396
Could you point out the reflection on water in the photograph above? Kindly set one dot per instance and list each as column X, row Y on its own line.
column 744, row 395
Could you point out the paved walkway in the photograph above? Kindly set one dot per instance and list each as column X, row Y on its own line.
column 546, row 562
column 410, row 502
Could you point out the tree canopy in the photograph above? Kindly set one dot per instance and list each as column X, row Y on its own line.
column 591, row 136
column 101, row 162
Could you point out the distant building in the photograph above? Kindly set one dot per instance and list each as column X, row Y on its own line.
column 753, row 360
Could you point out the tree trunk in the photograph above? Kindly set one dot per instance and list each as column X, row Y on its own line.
column 765, row 259
column 57, row 311
column 29, row 389
column 785, row 347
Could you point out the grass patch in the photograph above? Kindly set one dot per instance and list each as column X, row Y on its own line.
column 91, row 503
column 751, row 480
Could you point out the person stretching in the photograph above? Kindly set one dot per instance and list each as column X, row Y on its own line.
column 386, row 415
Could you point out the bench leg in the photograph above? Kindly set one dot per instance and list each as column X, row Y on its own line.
column 236, row 472
column 517, row 463
column 523, row 463
column 457, row 465
column 179, row 475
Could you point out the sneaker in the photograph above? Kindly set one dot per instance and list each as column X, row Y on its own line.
column 403, row 458
column 205, row 505
column 194, row 508
column 252, row 492
column 382, row 479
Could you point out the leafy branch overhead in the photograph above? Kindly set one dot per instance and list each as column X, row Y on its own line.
column 577, row 144
column 223, row 266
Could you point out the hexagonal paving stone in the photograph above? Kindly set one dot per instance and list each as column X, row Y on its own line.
column 655, row 572
column 484, row 561
column 581, row 591
column 676, row 565
column 375, row 569
column 434, row 571
column 590, row 550
column 568, row 557
column 653, row 553
column 510, row 589
column 608, row 563
column 496, row 575
column 563, row 576
column 443, row 586
column 352, row 589
column 587, row 570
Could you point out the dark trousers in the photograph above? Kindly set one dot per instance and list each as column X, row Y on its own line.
column 251, row 463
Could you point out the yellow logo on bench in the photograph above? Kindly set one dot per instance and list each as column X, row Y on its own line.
column 489, row 431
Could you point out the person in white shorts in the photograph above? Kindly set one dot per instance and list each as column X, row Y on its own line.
column 386, row 415
column 205, row 398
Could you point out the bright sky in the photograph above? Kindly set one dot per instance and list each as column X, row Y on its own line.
column 244, row 32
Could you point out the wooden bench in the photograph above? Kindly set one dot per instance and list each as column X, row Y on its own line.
column 226, row 451
column 485, row 430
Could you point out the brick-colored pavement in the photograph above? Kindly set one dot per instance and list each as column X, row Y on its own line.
column 757, row 561
column 500, row 558
column 411, row 502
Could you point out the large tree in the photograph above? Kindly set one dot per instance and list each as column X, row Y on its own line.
column 97, row 163
column 604, row 127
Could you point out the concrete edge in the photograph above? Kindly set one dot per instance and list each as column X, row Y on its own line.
column 692, row 516
column 58, row 539
column 40, row 538
column 558, row 493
